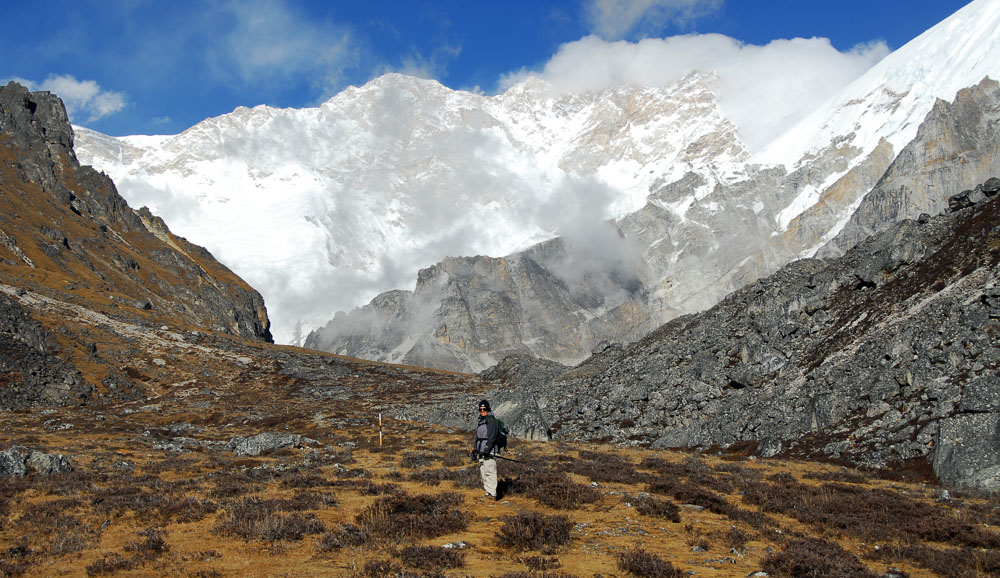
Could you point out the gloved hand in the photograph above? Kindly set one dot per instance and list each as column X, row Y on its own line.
column 474, row 455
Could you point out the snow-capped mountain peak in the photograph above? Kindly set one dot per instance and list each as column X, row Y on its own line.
column 322, row 208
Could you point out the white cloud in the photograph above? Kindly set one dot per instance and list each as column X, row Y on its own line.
column 269, row 39
column 764, row 90
column 83, row 98
column 616, row 19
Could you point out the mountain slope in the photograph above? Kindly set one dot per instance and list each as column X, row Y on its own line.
column 67, row 237
column 553, row 300
column 955, row 144
column 694, row 242
column 885, row 357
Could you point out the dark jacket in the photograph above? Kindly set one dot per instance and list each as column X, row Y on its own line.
column 485, row 445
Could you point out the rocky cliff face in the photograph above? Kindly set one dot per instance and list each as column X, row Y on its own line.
column 547, row 301
column 67, row 236
column 884, row 357
column 957, row 143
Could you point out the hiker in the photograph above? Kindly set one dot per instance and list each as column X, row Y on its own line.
column 486, row 440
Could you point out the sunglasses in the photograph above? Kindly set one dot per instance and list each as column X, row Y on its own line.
column 482, row 409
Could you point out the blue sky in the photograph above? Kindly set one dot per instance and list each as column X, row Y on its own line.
column 158, row 67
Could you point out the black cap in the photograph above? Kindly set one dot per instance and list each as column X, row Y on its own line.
column 485, row 403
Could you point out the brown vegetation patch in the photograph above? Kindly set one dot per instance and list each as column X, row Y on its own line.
column 816, row 558
column 643, row 564
column 399, row 517
column 350, row 507
column 257, row 519
column 534, row 531
column 432, row 557
column 554, row 489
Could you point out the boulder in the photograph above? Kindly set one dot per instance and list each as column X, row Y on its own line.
column 968, row 451
column 263, row 442
column 19, row 461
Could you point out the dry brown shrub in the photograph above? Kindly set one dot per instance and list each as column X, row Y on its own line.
column 430, row 477
column 816, row 558
column 691, row 493
column 302, row 501
column 553, row 489
column 960, row 563
column 152, row 547
column 72, row 542
column 643, row 564
column 737, row 539
column 398, row 517
column 534, row 531
column 344, row 536
column 206, row 574
column 301, row 480
column 868, row 514
column 17, row 560
column 352, row 473
column 841, row 475
column 432, row 557
column 455, row 457
column 658, row 508
column 606, row 468
column 468, row 477
column 184, row 465
column 239, row 482
column 539, row 563
column 111, row 563
column 256, row 519
column 189, row 509
column 545, row 574
column 413, row 460
column 369, row 488
column 384, row 569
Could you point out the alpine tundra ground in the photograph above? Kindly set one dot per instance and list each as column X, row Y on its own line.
column 162, row 486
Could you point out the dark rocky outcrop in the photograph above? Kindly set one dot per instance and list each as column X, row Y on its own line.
column 885, row 357
column 30, row 367
column 20, row 461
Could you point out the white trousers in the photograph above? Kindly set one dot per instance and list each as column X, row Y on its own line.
column 488, row 472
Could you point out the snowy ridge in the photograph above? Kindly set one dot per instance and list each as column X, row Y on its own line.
column 322, row 208
column 892, row 98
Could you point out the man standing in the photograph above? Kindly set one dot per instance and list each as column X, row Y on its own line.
column 486, row 440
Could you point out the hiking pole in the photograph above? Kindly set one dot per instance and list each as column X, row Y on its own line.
column 508, row 459
column 499, row 456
